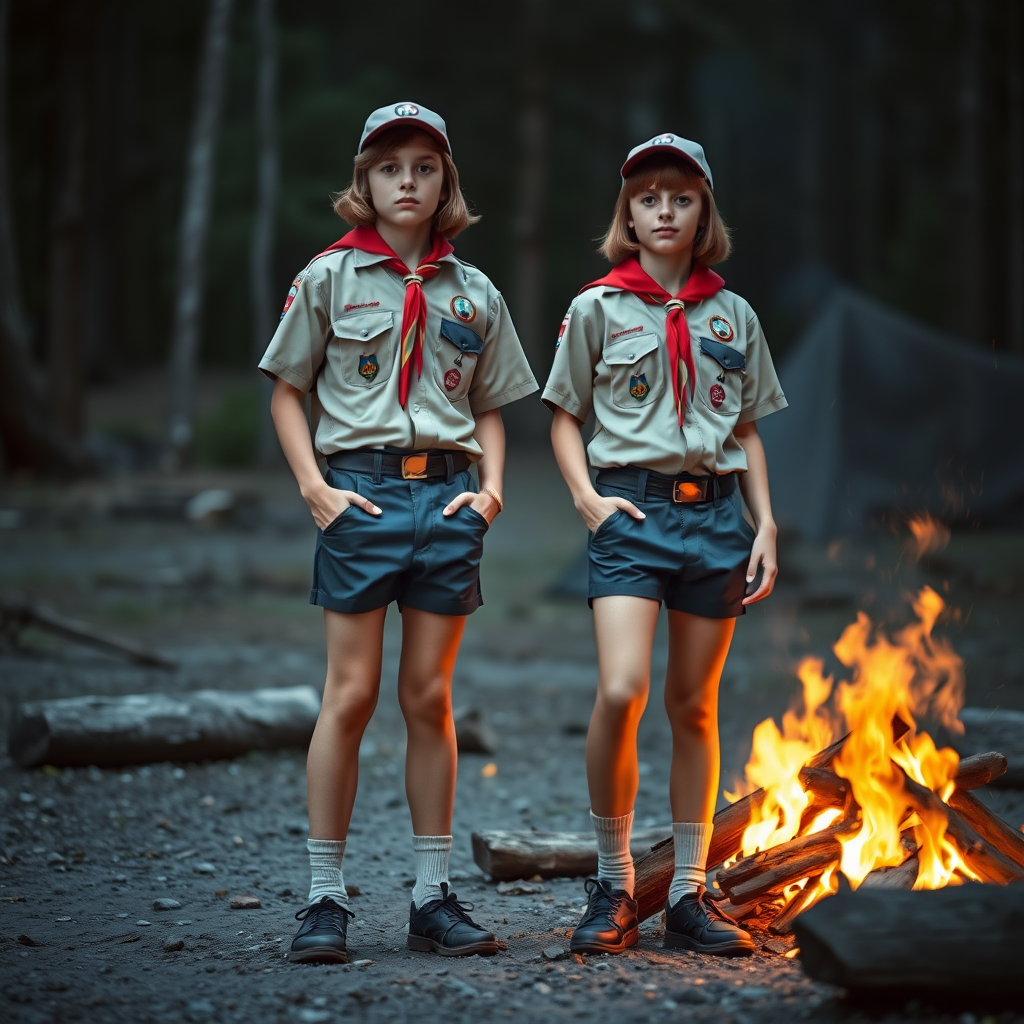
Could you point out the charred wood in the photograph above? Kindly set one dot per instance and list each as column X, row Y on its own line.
column 1004, row 837
column 783, row 923
column 994, row 729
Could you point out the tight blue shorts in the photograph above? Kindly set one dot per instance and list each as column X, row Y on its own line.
column 410, row 553
column 691, row 556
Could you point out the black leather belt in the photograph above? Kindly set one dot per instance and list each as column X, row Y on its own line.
column 683, row 489
column 412, row 466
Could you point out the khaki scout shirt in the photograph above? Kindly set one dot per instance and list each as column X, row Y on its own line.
column 341, row 333
column 612, row 360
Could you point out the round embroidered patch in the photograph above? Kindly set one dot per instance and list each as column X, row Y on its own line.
column 407, row 110
column 663, row 140
column 721, row 328
column 463, row 308
column 292, row 292
column 452, row 379
column 717, row 395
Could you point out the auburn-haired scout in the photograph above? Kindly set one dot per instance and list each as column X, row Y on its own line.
column 676, row 372
column 408, row 355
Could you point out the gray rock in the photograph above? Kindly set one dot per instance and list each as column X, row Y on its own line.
column 203, row 867
column 166, row 904
column 141, row 924
column 554, row 953
column 173, row 945
column 245, row 903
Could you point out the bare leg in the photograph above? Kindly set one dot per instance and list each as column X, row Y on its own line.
column 697, row 648
column 429, row 645
column 625, row 633
column 353, row 681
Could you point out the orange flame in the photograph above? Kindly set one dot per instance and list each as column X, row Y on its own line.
column 927, row 535
column 913, row 675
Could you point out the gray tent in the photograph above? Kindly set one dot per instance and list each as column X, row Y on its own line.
column 887, row 417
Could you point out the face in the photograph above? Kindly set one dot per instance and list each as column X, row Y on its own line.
column 406, row 186
column 666, row 220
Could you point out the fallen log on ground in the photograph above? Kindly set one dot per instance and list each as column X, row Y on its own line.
column 18, row 615
column 509, row 855
column 994, row 729
column 196, row 725
column 960, row 939
column 1003, row 836
column 654, row 869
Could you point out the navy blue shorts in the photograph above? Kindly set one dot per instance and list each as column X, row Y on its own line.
column 410, row 553
column 691, row 556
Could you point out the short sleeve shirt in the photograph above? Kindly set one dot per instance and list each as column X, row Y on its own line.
column 339, row 337
column 612, row 360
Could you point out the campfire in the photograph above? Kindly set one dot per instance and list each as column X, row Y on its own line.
column 852, row 790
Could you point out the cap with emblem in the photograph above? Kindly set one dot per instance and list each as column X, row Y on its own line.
column 410, row 115
column 692, row 152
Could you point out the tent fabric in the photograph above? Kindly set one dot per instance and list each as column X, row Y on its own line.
column 888, row 418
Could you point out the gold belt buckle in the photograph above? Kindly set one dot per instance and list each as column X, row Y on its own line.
column 684, row 491
column 414, row 467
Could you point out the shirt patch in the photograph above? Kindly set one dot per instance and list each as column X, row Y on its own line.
column 452, row 379
column 463, row 309
column 561, row 330
column 368, row 367
column 638, row 386
column 360, row 305
column 629, row 330
column 721, row 328
column 292, row 292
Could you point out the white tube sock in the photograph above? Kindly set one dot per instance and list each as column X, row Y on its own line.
column 325, row 856
column 692, row 840
column 431, row 853
column 614, row 863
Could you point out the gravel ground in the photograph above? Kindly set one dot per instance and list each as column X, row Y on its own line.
column 116, row 886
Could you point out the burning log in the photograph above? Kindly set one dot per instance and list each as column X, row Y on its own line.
column 998, row 728
column 783, row 923
column 1006, row 839
column 984, row 859
column 198, row 725
column 781, row 865
column 900, row 878
column 958, row 939
column 506, row 856
column 979, row 770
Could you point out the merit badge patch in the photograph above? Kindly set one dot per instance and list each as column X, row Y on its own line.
column 452, row 379
column 368, row 367
column 463, row 309
column 292, row 292
column 638, row 386
column 717, row 395
column 561, row 330
column 721, row 328
column 663, row 140
column 407, row 110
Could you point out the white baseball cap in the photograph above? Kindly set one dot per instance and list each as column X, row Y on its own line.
column 406, row 114
column 692, row 152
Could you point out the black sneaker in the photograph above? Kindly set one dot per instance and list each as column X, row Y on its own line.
column 697, row 923
column 609, row 925
column 444, row 926
column 322, row 934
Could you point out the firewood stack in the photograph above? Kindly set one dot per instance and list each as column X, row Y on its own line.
column 756, row 885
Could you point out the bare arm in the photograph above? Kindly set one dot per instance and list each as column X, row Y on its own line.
column 490, row 435
column 572, row 461
column 754, row 487
column 325, row 502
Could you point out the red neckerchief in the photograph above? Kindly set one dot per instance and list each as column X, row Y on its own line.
column 701, row 284
column 414, row 309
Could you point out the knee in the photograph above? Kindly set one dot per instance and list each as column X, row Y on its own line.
column 694, row 714
column 347, row 704
column 623, row 699
column 427, row 705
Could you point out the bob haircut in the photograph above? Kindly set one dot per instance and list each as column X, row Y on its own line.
column 711, row 244
column 355, row 205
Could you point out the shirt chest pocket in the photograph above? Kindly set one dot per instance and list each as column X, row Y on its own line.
column 720, row 376
column 634, row 365
column 366, row 347
column 455, row 359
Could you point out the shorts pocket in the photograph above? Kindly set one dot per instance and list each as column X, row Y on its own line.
column 604, row 522
column 366, row 346
column 634, row 365
column 477, row 516
column 737, row 505
column 337, row 519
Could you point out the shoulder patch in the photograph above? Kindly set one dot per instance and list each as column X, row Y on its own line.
column 292, row 292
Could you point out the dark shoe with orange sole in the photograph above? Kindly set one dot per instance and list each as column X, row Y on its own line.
column 609, row 924
column 697, row 923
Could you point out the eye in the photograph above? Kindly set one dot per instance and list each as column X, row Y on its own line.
column 425, row 169
column 683, row 200
column 649, row 200
column 388, row 168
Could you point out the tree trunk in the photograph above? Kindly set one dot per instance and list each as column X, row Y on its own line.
column 28, row 435
column 261, row 251
column 1015, row 175
column 959, row 939
column 195, row 220
column 141, row 728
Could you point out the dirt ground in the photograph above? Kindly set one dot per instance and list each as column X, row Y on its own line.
column 85, row 853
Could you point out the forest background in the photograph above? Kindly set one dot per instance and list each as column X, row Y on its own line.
column 165, row 170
